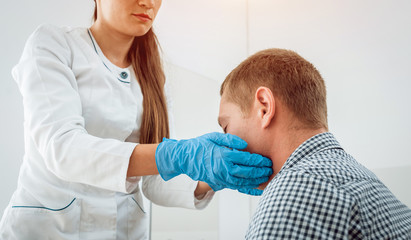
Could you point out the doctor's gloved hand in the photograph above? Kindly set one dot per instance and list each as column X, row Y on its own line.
column 213, row 158
column 251, row 191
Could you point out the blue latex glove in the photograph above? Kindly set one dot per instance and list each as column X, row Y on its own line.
column 251, row 191
column 213, row 158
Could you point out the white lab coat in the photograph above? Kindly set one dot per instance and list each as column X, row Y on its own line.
column 81, row 125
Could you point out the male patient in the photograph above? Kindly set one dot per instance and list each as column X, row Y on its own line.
column 276, row 101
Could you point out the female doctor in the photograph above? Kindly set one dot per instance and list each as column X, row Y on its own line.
column 95, row 117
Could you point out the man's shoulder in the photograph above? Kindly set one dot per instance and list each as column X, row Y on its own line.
column 327, row 172
column 333, row 166
column 305, row 176
column 296, row 197
column 327, row 191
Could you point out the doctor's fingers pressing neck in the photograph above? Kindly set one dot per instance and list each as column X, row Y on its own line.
column 213, row 158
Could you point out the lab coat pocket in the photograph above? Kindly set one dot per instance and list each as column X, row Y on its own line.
column 41, row 222
column 138, row 225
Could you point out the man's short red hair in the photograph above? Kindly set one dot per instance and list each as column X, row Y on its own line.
column 294, row 80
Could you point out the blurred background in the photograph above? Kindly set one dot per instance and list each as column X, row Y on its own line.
column 362, row 49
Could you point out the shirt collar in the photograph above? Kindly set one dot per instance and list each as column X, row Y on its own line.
column 317, row 143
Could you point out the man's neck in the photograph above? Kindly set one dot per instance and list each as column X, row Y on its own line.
column 285, row 142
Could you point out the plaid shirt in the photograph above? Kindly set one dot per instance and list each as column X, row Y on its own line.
column 322, row 192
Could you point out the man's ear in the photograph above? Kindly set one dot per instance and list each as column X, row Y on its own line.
column 265, row 103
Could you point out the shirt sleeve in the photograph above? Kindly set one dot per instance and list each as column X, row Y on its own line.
column 53, row 116
column 299, row 206
column 176, row 192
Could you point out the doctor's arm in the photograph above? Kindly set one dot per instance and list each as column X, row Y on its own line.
column 142, row 163
column 212, row 158
column 53, row 117
column 195, row 157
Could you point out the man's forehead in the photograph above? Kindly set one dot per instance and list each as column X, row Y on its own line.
column 224, row 109
column 227, row 110
column 224, row 101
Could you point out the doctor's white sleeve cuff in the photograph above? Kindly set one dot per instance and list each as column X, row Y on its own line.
column 128, row 184
column 204, row 200
column 176, row 192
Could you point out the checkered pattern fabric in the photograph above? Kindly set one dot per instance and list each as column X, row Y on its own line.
column 322, row 192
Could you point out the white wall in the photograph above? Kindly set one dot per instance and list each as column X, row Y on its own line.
column 362, row 48
column 195, row 108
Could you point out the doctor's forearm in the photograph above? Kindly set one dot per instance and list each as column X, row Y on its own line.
column 143, row 161
column 201, row 189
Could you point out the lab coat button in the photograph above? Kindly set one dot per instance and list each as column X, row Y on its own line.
column 124, row 75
